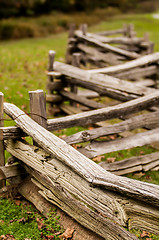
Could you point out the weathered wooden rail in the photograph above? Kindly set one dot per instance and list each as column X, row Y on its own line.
column 64, row 80
column 102, row 50
column 98, row 199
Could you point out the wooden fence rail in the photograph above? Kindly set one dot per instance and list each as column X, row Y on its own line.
column 99, row 49
column 63, row 175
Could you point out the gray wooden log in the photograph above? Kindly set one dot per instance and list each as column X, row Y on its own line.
column 111, row 32
column 126, row 165
column 140, row 121
column 136, row 73
column 53, row 98
column 2, row 153
column 142, row 61
column 107, row 113
column 117, row 40
column 103, row 84
column 146, row 83
column 80, row 164
column 107, row 47
column 87, row 93
column 94, row 54
column 54, row 74
column 97, row 148
column 89, row 205
column 54, row 86
column 10, row 171
column 82, row 100
column 118, row 111
column 31, row 192
column 12, row 132
column 68, row 109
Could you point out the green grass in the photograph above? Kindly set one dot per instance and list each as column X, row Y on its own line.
column 22, row 222
column 142, row 22
column 23, row 65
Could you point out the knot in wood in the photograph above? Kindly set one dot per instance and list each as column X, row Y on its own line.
column 85, row 136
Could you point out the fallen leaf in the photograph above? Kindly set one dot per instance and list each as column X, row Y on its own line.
column 24, row 106
column 22, row 220
column 29, row 213
column 111, row 159
column 63, row 136
column 144, row 234
column 98, row 158
column 40, row 223
column 90, row 128
column 148, row 177
column 1, row 221
column 76, row 146
column 140, row 174
column 7, row 237
column 50, row 237
column 112, row 137
column 18, row 202
column 67, row 234
column 141, row 152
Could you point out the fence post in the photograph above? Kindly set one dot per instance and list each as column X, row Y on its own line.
column 71, row 43
column 83, row 28
column 51, row 57
column 51, row 62
column 38, row 107
column 76, row 63
column 131, row 32
column 2, row 153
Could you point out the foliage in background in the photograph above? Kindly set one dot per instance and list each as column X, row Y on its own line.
column 15, row 28
column 35, row 7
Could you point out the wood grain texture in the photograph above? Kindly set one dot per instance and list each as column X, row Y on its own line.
column 93, row 116
column 106, row 46
column 31, row 192
column 10, row 171
column 140, row 121
column 82, row 100
column 97, row 148
column 142, row 61
column 102, row 82
column 89, row 205
column 83, row 166
column 139, row 163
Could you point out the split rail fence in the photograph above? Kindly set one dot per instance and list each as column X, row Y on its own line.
column 102, row 49
column 101, row 201
column 70, row 83
column 51, row 171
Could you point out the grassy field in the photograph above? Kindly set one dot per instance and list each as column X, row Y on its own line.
column 23, row 65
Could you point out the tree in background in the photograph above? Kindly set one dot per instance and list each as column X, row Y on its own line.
column 10, row 8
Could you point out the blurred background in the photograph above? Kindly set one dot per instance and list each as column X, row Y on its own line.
column 36, row 18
